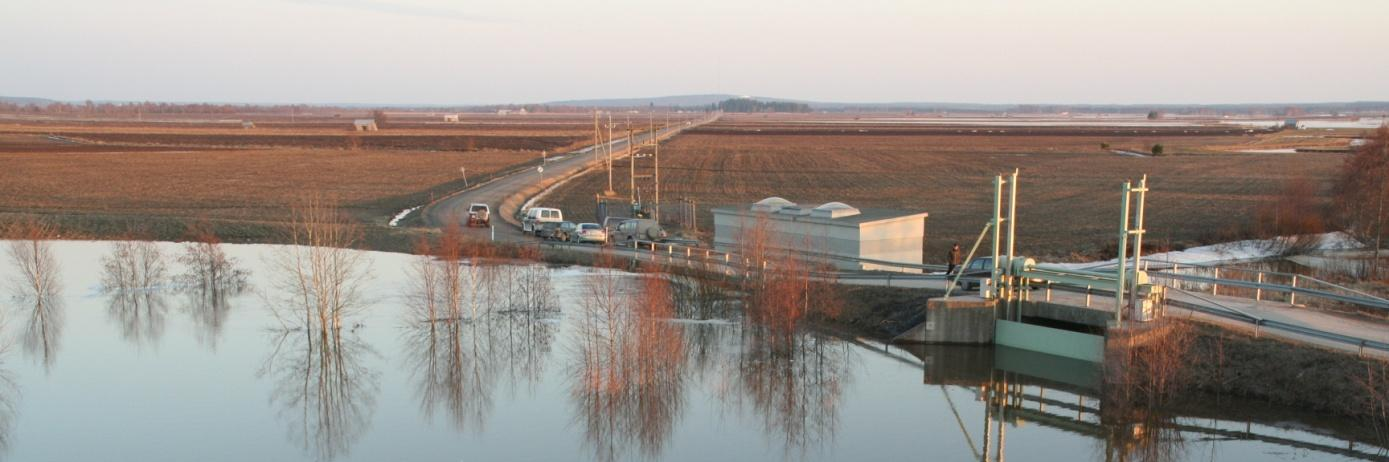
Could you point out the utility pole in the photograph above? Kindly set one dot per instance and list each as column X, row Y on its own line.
column 632, row 167
column 1379, row 214
column 609, row 148
column 656, row 155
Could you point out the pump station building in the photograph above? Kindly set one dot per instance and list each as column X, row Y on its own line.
column 832, row 229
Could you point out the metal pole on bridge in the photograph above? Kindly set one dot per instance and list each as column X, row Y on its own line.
column 1123, row 255
column 1138, row 232
column 997, row 225
column 1012, row 237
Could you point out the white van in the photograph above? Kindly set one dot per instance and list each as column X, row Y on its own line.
column 535, row 216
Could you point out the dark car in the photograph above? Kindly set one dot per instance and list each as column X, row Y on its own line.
column 557, row 231
column 982, row 268
column 979, row 268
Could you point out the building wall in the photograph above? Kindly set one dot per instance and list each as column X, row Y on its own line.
column 896, row 240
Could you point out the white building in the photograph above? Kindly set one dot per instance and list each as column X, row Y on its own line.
column 834, row 229
column 450, row 117
column 364, row 125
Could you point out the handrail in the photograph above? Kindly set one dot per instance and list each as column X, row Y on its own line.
column 1366, row 300
column 1222, row 311
column 1258, row 322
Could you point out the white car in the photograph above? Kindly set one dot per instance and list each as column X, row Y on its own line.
column 590, row 232
column 536, row 216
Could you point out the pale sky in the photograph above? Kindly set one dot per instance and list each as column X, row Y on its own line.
column 456, row 52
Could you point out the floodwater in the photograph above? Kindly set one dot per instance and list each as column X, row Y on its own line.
column 163, row 372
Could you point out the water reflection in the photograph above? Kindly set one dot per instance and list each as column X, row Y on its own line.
column 133, row 275
column 209, row 280
column 9, row 406
column 140, row 314
column 795, row 384
column 36, row 291
column 1019, row 387
column 462, row 342
column 324, row 391
column 323, row 388
column 208, row 308
column 627, row 387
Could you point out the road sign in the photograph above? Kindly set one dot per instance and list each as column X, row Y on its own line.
column 540, row 169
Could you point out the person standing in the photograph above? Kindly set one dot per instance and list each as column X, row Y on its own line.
column 953, row 260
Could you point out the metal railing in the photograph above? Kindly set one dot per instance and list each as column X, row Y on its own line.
column 1260, row 285
column 1266, row 285
column 731, row 264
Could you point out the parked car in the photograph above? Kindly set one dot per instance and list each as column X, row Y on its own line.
column 535, row 216
column 641, row 228
column 590, row 232
column 979, row 268
column 557, row 231
column 982, row 268
column 479, row 215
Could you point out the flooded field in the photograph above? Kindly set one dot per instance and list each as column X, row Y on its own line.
column 118, row 353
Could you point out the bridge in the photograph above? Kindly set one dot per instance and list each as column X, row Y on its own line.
column 1287, row 306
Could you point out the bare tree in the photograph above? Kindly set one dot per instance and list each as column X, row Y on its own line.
column 321, row 271
column 38, row 287
column 32, row 252
column 209, row 279
column 133, row 266
column 1360, row 191
column 206, row 265
column 628, row 386
column 1294, row 219
column 781, row 287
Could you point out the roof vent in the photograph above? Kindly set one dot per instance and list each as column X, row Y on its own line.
column 834, row 210
column 794, row 210
column 771, row 204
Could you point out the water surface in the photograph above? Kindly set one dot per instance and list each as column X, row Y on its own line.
column 165, row 373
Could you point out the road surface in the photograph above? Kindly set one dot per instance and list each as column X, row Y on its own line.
column 495, row 192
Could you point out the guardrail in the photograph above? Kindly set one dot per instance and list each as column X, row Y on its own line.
column 1215, row 308
column 730, row 264
column 1260, row 285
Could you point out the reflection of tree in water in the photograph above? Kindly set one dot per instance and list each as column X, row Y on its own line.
column 323, row 388
column 43, row 318
column 9, row 402
column 628, row 386
column 793, row 383
column 1139, row 433
column 131, row 276
column 461, row 343
column 139, row 314
column 454, row 373
column 37, row 291
column 208, row 308
column 322, row 385
column 209, row 280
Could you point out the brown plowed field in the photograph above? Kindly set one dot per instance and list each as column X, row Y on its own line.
column 1069, row 196
column 230, row 184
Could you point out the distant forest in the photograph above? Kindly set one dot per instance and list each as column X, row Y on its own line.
column 752, row 105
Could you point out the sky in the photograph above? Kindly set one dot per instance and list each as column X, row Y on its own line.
column 522, row 51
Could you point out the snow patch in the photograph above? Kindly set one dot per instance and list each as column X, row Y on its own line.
column 1229, row 252
column 1270, row 151
column 403, row 213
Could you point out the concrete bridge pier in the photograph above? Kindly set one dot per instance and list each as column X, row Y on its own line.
column 968, row 320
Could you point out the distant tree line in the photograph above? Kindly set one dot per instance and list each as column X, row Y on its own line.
column 752, row 105
column 131, row 108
